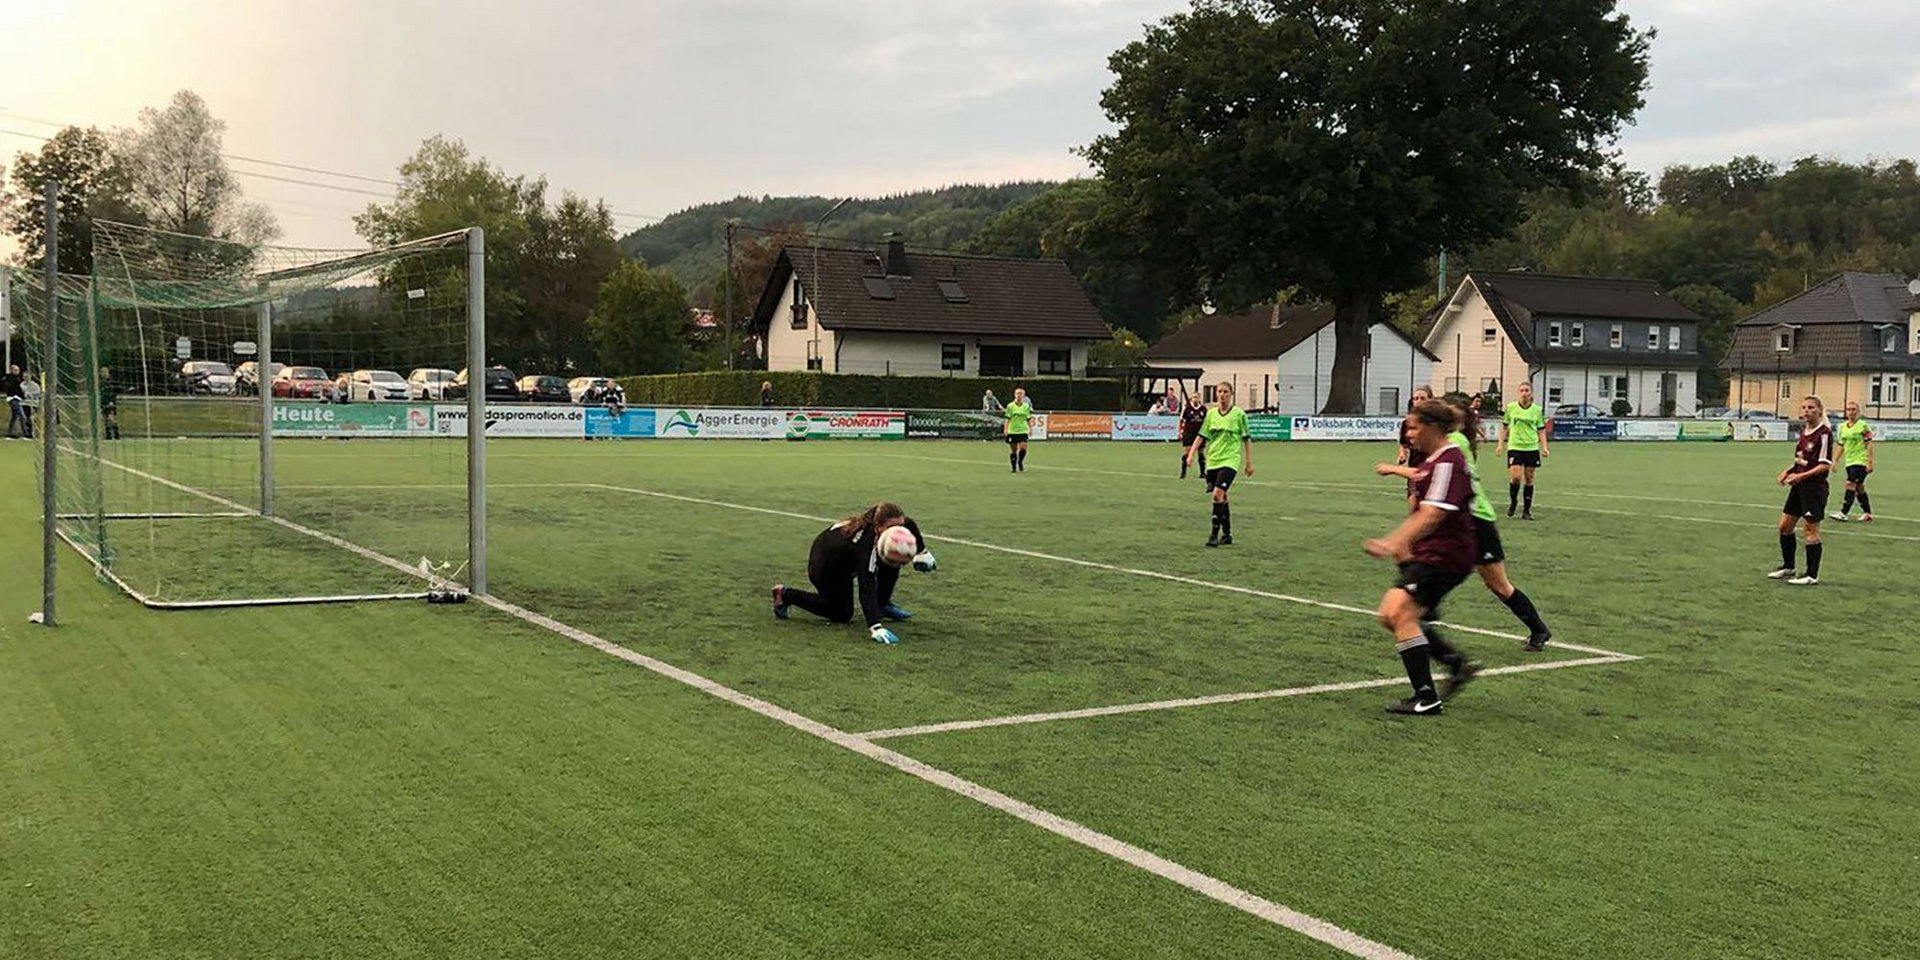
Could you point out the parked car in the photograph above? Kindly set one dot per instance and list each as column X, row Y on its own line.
column 578, row 386
column 246, row 377
column 210, row 377
column 302, row 383
column 543, row 390
column 1580, row 411
column 1760, row 415
column 1716, row 413
column 377, row 385
column 428, row 383
column 499, row 385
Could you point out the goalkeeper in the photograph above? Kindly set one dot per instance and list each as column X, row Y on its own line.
column 845, row 562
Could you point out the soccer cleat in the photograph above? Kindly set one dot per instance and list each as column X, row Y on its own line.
column 779, row 601
column 1843, row 518
column 893, row 612
column 1510, row 509
column 1538, row 642
column 1780, row 574
column 1866, row 518
column 1805, row 581
column 1460, row 678
column 1213, row 540
column 1415, row 707
column 1226, row 539
column 1527, row 515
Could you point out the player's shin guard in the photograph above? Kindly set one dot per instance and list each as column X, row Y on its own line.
column 1513, row 496
column 1523, row 608
column 1786, row 551
column 1013, row 458
column 1226, row 518
column 1813, row 559
column 1219, row 517
column 1527, row 502
column 1416, row 656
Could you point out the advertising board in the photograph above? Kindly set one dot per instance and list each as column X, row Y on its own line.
column 953, row 425
column 630, row 424
column 302, row 418
column 1131, row 426
column 846, row 425
column 514, row 420
column 1344, row 428
column 684, row 423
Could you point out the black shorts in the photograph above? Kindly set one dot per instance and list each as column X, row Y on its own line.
column 1428, row 584
column 1807, row 500
column 1187, row 437
column 1488, row 549
column 1857, row 473
column 1221, row 478
column 1013, row 438
column 1523, row 458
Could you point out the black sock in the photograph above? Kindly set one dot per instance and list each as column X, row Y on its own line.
column 1813, row 559
column 1513, row 494
column 1183, row 466
column 1023, row 459
column 1523, row 608
column 1866, row 506
column 1013, row 459
column 1786, row 551
column 1443, row 650
column 1417, row 658
column 1846, row 504
column 1529, row 499
column 1217, row 518
column 1226, row 519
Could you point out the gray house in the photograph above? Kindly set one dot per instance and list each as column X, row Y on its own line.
column 1853, row 336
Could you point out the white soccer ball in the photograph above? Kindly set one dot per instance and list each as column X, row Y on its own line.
column 898, row 546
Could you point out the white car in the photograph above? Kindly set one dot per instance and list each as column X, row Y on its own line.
column 578, row 386
column 377, row 385
column 428, row 383
column 207, row 376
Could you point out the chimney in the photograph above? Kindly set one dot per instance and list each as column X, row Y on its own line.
column 893, row 253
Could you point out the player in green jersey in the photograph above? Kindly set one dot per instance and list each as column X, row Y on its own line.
column 1523, row 437
column 1018, row 414
column 1856, row 454
column 1490, row 556
column 1224, row 434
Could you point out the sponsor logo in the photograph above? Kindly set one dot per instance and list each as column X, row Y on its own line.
column 682, row 421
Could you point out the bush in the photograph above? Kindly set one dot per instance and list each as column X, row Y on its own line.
column 810, row 388
column 1621, row 408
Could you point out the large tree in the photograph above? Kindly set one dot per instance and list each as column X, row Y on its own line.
column 640, row 321
column 92, row 185
column 1336, row 145
column 179, row 181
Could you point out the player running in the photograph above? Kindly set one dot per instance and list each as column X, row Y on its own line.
column 1017, row 414
column 1807, row 498
column 1856, row 454
column 1228, row 452
column 845, row 561
column 1192, row 417
column 1434, row 546
column 1490, row 556
column 1524, row 439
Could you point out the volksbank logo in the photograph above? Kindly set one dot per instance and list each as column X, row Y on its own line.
column 683, row 421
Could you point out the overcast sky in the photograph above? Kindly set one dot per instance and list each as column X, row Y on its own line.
column 657, row 105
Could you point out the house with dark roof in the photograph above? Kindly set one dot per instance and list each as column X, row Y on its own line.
column 1594, row 341
column 1853, row 336
column 1280, row 356
column 889, row 310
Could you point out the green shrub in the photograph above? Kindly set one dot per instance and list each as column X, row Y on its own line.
column 809, row 388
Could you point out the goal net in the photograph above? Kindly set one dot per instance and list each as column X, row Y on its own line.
column 243, row 425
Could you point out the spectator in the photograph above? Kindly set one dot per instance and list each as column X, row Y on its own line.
column 17, row 419
column 990, row 403
column 766, row 393
column 1159, row 407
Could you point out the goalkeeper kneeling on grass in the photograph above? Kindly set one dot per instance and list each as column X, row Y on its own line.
column 860, row 555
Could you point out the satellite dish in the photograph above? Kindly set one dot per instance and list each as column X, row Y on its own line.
column 1913, row 287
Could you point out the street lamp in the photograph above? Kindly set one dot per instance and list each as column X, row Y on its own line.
column 815, row 293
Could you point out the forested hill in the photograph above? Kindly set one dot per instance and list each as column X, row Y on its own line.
column 690, row 244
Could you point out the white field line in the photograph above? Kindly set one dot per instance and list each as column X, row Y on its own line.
column 1852, row 529
column 1096, row 565
column 1153, row 705
column 1211, row 887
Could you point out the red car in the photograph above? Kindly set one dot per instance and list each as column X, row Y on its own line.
column 302, row 383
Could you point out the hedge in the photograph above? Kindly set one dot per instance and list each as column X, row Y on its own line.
column 811, row 388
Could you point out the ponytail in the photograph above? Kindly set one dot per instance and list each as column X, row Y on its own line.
column 871, row 519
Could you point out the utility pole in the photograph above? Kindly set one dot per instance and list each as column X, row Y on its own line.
column 814, row 294
column 732, row 222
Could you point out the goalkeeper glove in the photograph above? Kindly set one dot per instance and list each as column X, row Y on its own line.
column 923, row 561
column 881, row 634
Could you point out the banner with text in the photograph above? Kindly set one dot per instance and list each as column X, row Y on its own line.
column 1647, row 430
column 1130, row 426
column 1077, row 426
column 629, row 425
column 1763, row 430
column 1713, row 430
column 1583, row 428
column 302, row 418
column 720, row 424
column 953, row 425
column 1344, row 428
column 1895, row 430
column 1269, row 426
column 845, row 425
column 514, row 420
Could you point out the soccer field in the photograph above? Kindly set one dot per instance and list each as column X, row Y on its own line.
column 1097, row 737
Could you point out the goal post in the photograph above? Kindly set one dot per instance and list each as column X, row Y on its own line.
column 244, row 425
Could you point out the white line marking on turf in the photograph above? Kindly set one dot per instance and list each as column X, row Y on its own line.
column 1096, row 565
column 1218, row 698
column 1211, row 887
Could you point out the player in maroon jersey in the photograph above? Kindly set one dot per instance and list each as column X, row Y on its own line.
column 1435, row 547
column 1192, row 416
column 1806, row 481
column 1408, row 457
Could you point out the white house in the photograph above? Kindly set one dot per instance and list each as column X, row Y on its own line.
column 844, row 309
column 1587, row 342
column 1280, row 357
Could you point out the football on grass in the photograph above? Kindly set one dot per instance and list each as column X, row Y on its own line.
column 898, row 545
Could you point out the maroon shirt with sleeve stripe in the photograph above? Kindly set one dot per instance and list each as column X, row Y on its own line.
column 1443, row 482
column 1814, row 447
